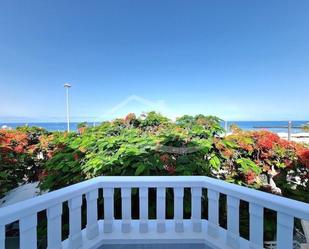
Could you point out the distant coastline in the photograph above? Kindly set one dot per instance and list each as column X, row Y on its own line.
column 245, row 125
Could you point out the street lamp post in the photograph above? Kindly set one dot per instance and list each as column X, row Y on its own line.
column 67, row 86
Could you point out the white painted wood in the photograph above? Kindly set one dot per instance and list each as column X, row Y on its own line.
column 28, row 233
column 2, row 236
column 196, row 201
column 286, row 209
column 54, row 228
column 143, row 210
column 161, row 192
column 256, row 226
column 126, row 209
column 285, row 225
column 153, row 237
column 232, row 238
column 14, row 212
column 108, row 194
column 92, row 228
column 178, row 209
column 75, row 235
column 213, row 212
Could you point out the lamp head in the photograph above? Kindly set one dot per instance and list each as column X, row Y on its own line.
column 67, row 85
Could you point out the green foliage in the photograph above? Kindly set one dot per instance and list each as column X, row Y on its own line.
column 247, row 165
column 305, row 128
column 154, row 145
column 35, row 130
column 235, row 128
column 152, row 119
column 200, row 125
column 19, row 161
column 148, row 145
column 82, row 125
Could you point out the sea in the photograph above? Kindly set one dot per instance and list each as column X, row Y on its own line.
column 274, row 126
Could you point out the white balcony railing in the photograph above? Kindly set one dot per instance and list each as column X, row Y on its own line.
column 161, row 230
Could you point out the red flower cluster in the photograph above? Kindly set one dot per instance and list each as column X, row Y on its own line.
column 42, row 175
column 250, row 177
column 285, row 144
column 165, row 158
column 168, row 166
column 15, row 142
column 227, row 153
column 75, row 156
column 245, row 146
column 266, row 140
column 269, row 152
column 303, row 156
column 81, row 130
column 129, row 118
column 170, row 169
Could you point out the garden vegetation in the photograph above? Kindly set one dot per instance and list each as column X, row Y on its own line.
column 151, row 144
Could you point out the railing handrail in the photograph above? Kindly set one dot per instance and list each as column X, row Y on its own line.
column 281, row 204
column 36, row 204
column 277, row 203
column 285, row 205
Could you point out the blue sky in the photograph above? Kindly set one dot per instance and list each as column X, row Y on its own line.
column 240, row 59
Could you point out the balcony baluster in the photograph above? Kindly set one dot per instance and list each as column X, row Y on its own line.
column 196, row 195
column 28, row 234
column 161, row 209
column 75, row 236
column 143, row 209
column 256, row 226
column 108, row 194
column 213, row 213
column 92, row 228
column 126, row 209
column 178, row 209
column 285, row 225
column 54, row 227
column 2, row 236
column 232, row 238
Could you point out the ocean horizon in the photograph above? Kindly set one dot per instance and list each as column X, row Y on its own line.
column 279, row 126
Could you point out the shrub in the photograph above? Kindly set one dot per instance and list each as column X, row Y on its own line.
column 19, row 156
column 305, row 128
column 148, row 145
column 153, row 145
column 283, row 161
